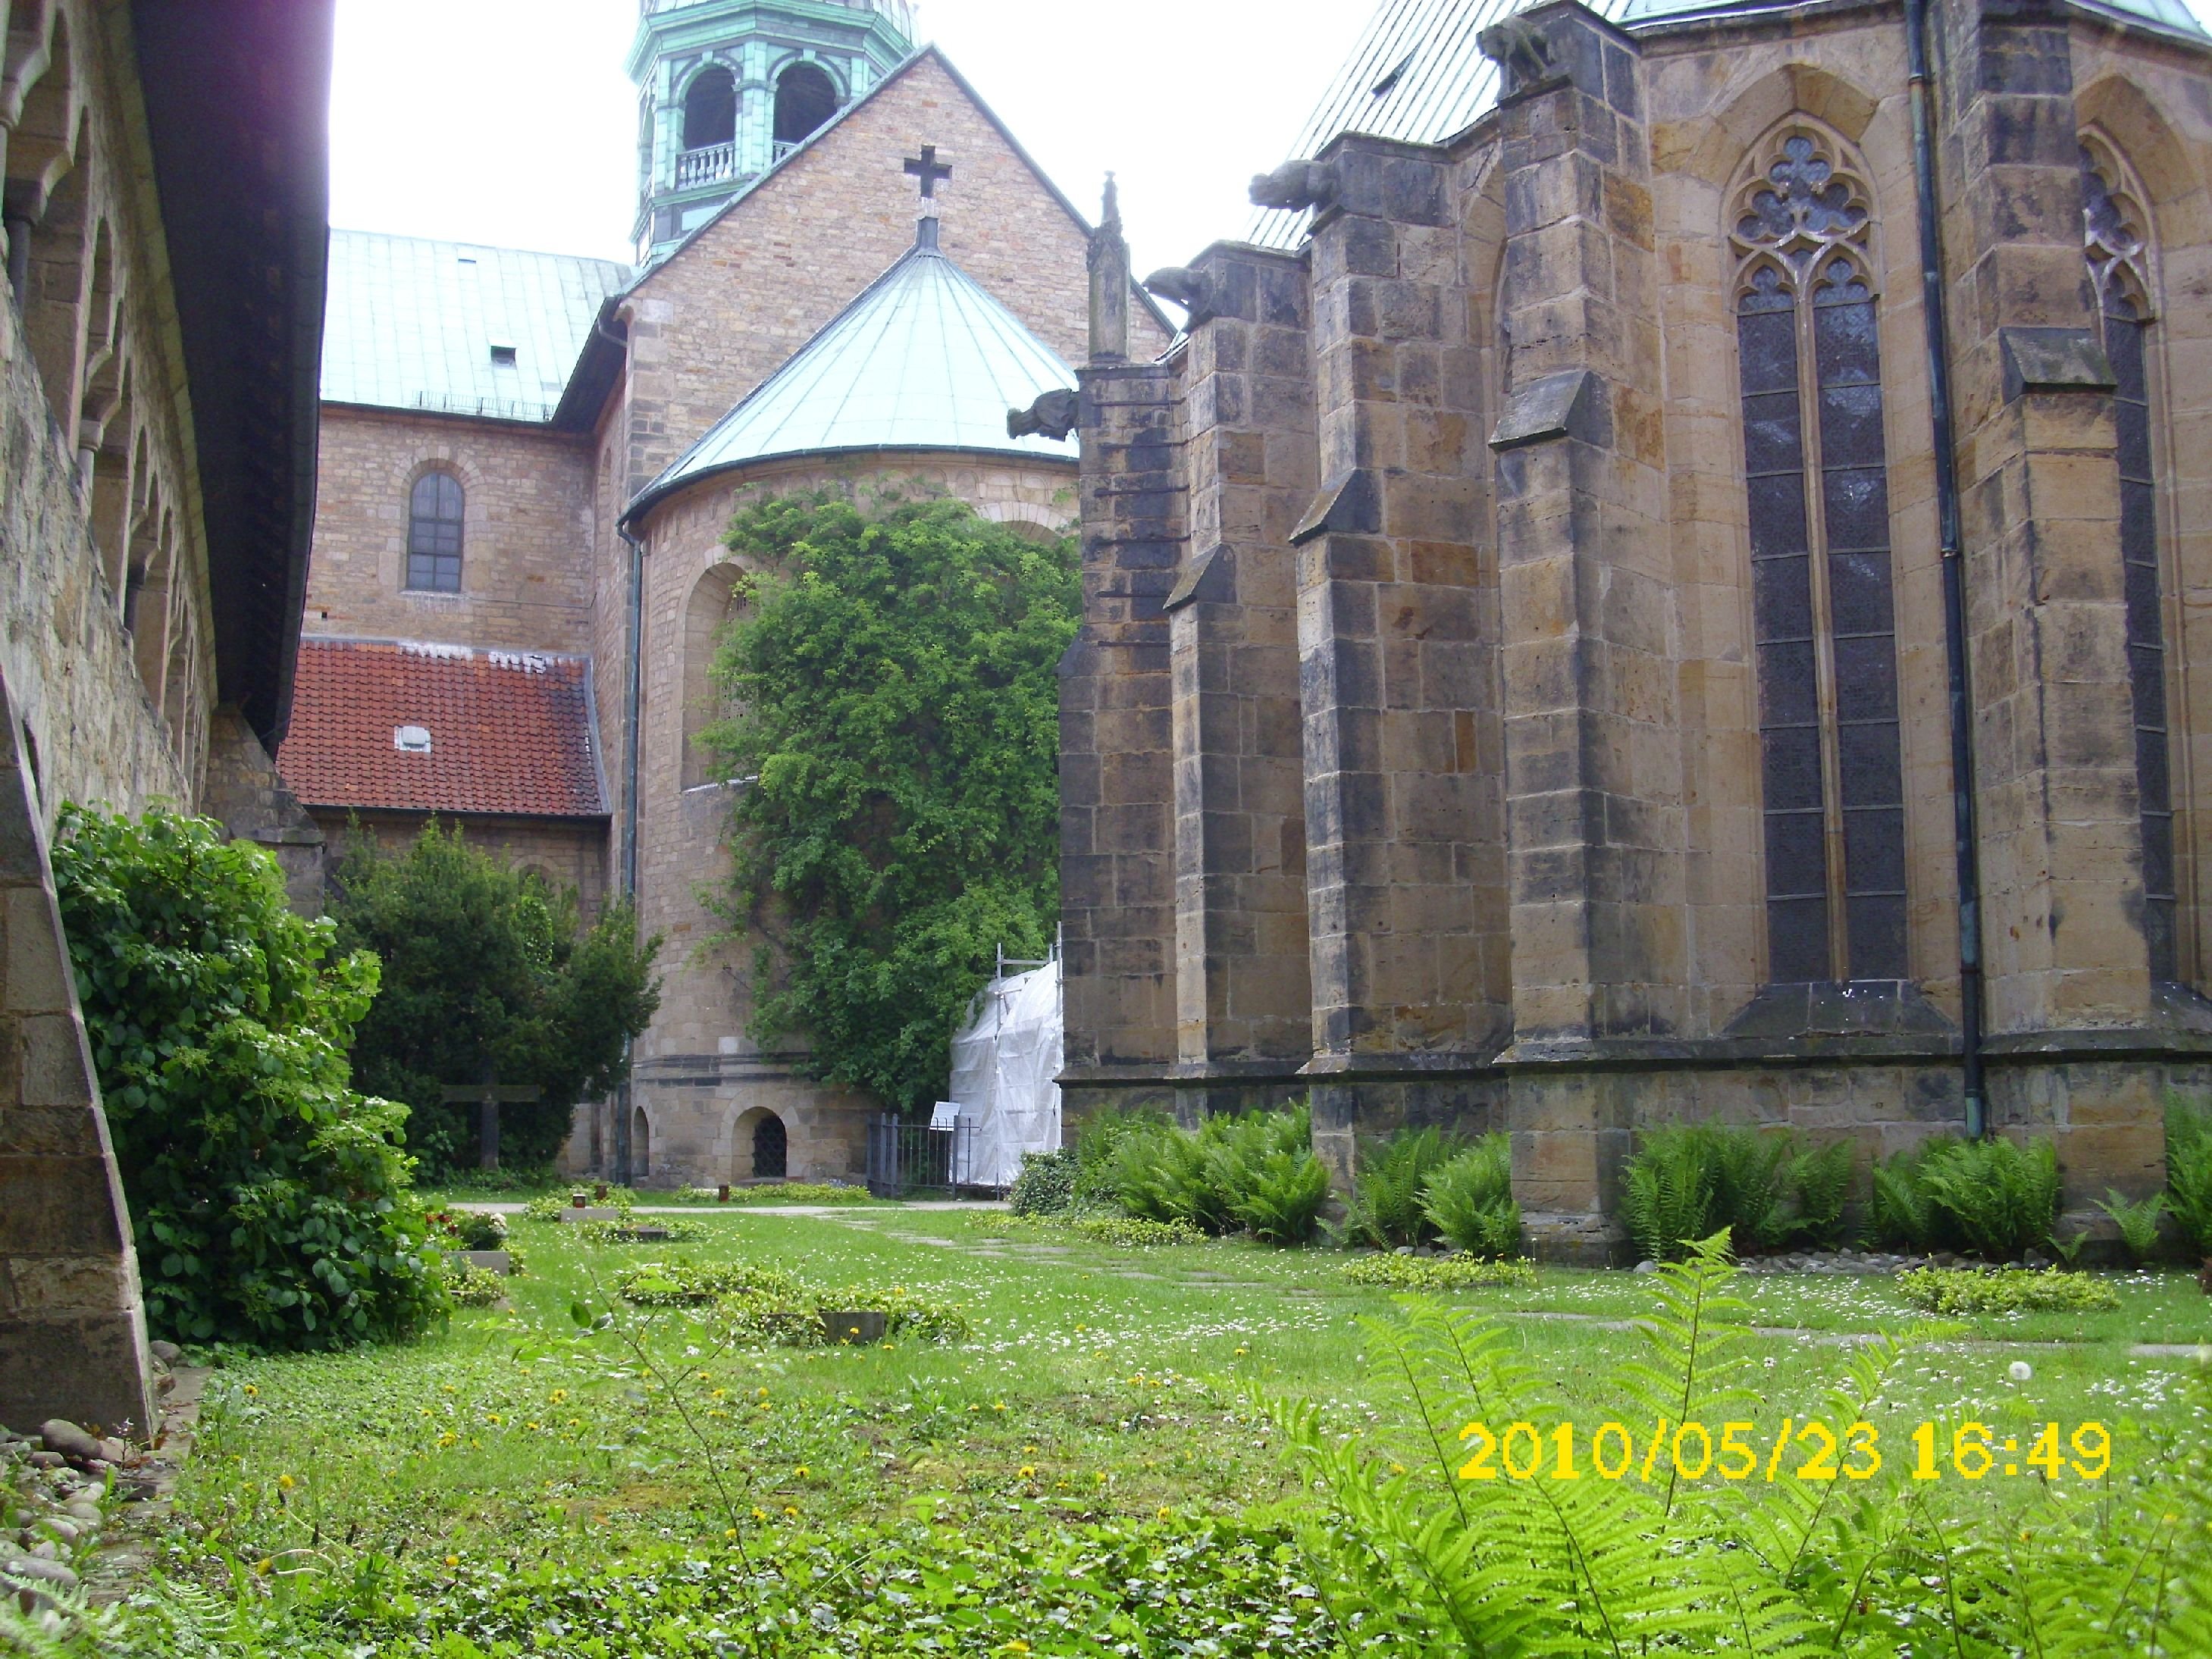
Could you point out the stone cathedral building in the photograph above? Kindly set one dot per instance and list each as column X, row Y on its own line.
column 1666, row 581
column 847, row 270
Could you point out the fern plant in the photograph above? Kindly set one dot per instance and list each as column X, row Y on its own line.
column 2001, row 1197
column 1415, row 1555
column 1386, row 1208
column 2138, row 1222
column 1469, row 1199
column 2189, row 1172
column 1667, row 1191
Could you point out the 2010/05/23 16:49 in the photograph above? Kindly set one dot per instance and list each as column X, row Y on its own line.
column 1691, row 1451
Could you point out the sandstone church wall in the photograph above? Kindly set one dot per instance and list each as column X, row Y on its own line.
column 528, row 532
column 700, row 1073
column 1541, row 677
column 565, row 851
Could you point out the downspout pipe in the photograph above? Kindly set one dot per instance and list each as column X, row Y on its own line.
column 1966, row 836
column 632, row 697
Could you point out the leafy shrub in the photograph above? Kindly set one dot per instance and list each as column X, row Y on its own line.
column 767, row 1305
column 472, row 1286
column 800, row 1192
column 271, row 1202
column 1389, row 1270
column 2005, row 1289
column 681, row 1284
column 2189, row 1172
column 678, row 1231
column 1386, row 1208
column 1127, row 1232
column 1768, row 1187
column 471, row 1229
column 1469, row 1199
column 2000, row 1197
column 487, row 972
column 1045, row 1185
column 2138, row 1222
column 1672, row 1559
column 1098, row 1146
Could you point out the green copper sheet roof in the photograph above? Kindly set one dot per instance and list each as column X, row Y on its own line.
column 413, row 324
column 1416, row 73
column 923, row 359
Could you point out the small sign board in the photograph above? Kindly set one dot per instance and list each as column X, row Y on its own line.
column 945, row 1115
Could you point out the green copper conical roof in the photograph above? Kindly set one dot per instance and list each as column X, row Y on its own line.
column 923, row 360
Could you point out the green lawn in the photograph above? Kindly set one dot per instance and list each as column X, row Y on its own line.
column 465, row 1490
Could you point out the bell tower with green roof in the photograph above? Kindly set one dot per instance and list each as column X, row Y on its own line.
column 727, row 88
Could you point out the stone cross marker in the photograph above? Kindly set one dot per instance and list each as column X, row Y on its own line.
column 929, row 170
column 488, row 1097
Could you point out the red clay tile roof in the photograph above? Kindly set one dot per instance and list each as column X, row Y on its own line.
column 511, row 732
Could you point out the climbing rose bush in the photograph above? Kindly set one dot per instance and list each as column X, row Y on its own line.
column 271, row 1202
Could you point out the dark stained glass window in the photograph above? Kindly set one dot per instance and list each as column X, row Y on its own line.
column 433, row 534
column 1831, row 772
column 2116, row 254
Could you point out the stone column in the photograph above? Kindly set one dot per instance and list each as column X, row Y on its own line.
column 1395, row 666
column 2039, row 487
column 2060, row 830
column 1116, row 864
column 1593, row 743
column 1243, row 1008
column 72, row 1328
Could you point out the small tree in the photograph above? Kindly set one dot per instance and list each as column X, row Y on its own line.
column 271, row 1202
column 488, row 975
column 897, row 718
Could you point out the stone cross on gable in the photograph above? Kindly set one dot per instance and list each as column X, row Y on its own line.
column 929, row 170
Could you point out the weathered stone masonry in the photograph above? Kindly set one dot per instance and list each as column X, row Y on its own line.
column 1553, row 670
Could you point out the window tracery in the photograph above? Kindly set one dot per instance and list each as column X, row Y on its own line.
column 1817, row 476
column 2117, row 244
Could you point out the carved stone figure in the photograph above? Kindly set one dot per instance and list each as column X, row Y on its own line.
column 1053, row 415
column 1191, row 289
column 1298, row 184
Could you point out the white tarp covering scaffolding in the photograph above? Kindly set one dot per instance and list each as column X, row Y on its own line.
column 1005, row 1061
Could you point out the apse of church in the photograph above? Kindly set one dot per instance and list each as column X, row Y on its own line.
column 529, row 459
column 1516, row 690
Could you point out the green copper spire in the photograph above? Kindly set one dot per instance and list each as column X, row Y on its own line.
column 729, row 87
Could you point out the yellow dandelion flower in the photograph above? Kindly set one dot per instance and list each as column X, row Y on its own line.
column 1031, row 1450
column 1242, row 1351
column 492, row 1418
column 1015, row 1646
column 1029, row 1472
column 533, row 1427
column 448, row 1388
column 802, row 1471
column 575, row 1422
column 427, row 1411
column 452, row 1560
column 265, row 1566
column 449, row 1439
column 791, row 1509
column 759, row 1514
column 730, row 1532
column 250, row 1390
column 1164, row 1511
column 1101, row 1477
column 558, row 1396
column 763, row 1394
column 286, row 1481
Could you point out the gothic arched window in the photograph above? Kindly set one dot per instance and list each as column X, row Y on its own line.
column 710, row 109
column 2115, row 235
column 433, row 534
column 1834, row 797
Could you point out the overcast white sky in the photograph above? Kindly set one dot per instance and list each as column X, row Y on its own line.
column 511, row 121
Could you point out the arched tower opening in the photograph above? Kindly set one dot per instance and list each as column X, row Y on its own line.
column 710, row 109
column 806, row 99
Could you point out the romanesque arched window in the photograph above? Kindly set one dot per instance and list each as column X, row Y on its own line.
column 2116, row 234
column 433, row 534
column 710, row 109
column 805, row 97
column 1811, row 368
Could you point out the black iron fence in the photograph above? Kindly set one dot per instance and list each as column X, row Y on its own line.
column 905, row 1158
